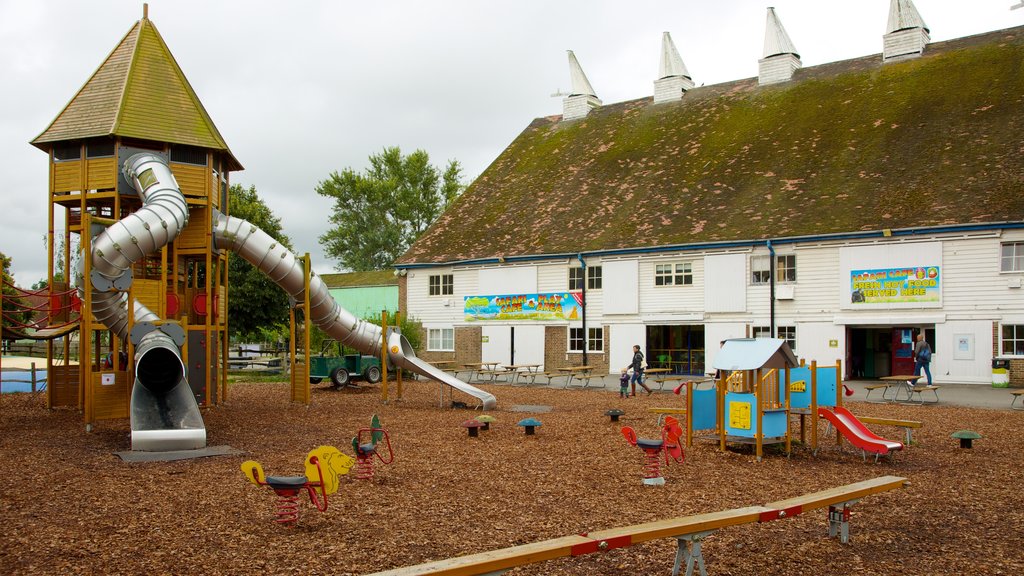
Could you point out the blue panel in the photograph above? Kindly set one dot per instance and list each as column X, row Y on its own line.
column 774, row 424
column 705, row 409
column 733, row 397
column 800, row 399
column 827, row 386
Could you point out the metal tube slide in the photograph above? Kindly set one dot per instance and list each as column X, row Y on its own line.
column 164, row 413
column 280, row 265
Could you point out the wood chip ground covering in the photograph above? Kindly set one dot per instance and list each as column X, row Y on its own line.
column 69, row 506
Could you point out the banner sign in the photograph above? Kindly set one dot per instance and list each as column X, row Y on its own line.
column 542, row 307
column 888, row 285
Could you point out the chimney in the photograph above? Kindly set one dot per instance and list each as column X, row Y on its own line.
column 906, row 33
column 581, row 99
column 673, row 78
column 781, row 59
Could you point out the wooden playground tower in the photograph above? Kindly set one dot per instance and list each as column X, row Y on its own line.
column 138, row 100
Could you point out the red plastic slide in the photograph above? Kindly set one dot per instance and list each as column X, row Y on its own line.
column 855, row 431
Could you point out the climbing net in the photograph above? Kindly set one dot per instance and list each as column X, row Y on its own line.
column 44, row 309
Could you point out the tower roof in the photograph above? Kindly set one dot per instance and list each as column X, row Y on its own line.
column 902, row 15
column 671, row 62
column 139, row 91
column 580, row 84
column 776, row 41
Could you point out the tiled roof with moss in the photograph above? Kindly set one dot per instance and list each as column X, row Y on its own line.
column 843, row 147
column 139, row 91
column 360, row 279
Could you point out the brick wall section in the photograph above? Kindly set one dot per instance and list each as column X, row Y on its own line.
column 556, row 341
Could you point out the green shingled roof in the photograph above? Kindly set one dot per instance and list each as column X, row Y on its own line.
column 138, row 92
column 360, row 279
column 843, row 147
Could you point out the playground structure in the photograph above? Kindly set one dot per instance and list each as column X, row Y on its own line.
column 142, row 191
column 365, row 444
column 669, row 446
column 760, row 388
column 324, row 466
column 689, row 532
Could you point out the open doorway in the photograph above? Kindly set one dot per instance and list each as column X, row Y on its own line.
column 876, row 352
column 678, row 348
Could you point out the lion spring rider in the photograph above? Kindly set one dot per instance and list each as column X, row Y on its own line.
column 669, row 444
column 324, row 466
column 365, row 446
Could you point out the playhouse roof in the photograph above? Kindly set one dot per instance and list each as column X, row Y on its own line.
column 849, row 146
column 139, row 91
column 754, row 353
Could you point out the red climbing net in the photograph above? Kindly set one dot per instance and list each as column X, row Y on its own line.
column 43, row 309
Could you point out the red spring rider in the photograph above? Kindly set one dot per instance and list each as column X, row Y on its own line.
column 365, row 446
column 669, row 444
column 324, row 466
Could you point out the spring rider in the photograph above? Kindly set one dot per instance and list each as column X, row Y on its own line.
column 365, row 446
column 669, row 445
column 324, row 467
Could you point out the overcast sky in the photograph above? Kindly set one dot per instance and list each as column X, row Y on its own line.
column 300, row 89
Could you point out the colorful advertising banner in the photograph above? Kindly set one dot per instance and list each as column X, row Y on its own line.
column 543, row 307
column 888, row 285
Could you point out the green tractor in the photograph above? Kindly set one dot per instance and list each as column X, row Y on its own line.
column 343, row 368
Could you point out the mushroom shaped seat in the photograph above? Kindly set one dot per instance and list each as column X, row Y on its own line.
column 473, row 426
column 966, row 437
column 486, row 420
column 529, row 424
column 614, row 414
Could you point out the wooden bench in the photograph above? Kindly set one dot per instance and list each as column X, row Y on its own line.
column 666, row 379
column 907, row 425
column 550, row 375
column 689, row 532
column 1017, row 395
column 883, row 387
column 918, row 390
column 662, row 412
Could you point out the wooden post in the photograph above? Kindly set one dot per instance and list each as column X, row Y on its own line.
column 759, row 417
column 398, row 375
column 789, row 437
column 814, row 404
column 839, row 382
column 384, row 356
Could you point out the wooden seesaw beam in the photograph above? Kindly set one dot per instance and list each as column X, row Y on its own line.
column 497, row 561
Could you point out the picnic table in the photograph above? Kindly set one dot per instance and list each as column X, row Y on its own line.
column 902, row 383
column 582, row 373
column 516, row 369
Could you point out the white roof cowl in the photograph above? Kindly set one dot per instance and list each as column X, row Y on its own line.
column 776, row 41
column 903, row 15
column 580, row 85
column 671, row 62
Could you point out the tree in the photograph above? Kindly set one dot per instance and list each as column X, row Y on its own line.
column 14, row 308
column 255, row 303
column 378, row 214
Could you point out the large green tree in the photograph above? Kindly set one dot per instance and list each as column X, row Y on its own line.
column 380, row 212
column 14, row 311
column 256, row 306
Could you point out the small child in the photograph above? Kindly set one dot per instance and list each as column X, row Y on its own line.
column 624, row 384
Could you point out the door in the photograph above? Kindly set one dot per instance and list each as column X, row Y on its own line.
column 903, row 350
column 521, row 344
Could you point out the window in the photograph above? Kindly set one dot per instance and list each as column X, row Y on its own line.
column 575, row 278
column 595, row 339
column 594, row 278
column 1012, row 259
column 678, row 274
column 72, row 151
column 442, row 285
column 99, row 149
column 1013, row 339
column 188, row 155
column 787, row 333
column 785, row 268
column 441, row 339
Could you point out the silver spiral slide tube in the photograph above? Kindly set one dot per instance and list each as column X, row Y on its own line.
column 280, row 265
column 164, row 412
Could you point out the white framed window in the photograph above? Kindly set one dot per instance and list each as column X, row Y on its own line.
column 442, row 284
column 785, row 269
column 675, row 274
column 787, row 333
column 576, row 278
column 1011, row 258
column 594, row 278
column 594, row 339
column 441, row 339
column 1012, row 339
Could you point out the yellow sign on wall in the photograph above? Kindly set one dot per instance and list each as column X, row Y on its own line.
column 739, row 415
column 798, row 386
